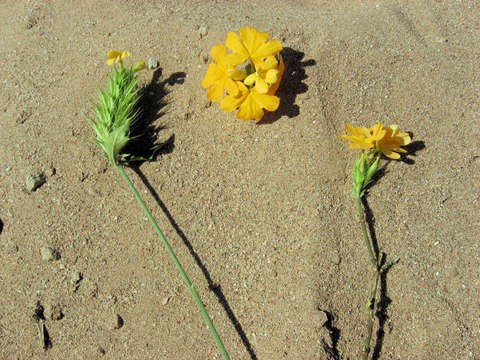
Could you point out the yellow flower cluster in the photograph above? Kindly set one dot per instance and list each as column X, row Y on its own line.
column 250, row 74
column 387, row 140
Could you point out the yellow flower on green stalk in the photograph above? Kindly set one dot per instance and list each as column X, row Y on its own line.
column 363, row 138
column 265, row 75
column 221, row 75
column 390, row 143
column 251, row 44
column 116, row 56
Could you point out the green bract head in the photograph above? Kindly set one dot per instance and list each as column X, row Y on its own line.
column 116, row 112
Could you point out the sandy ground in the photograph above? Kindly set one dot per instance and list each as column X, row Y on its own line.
column 261, row 215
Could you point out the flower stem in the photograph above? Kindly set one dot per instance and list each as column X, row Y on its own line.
column 370, row 318
column 364, row 230
column 169, row 249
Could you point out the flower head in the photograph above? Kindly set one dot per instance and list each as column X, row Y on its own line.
column 220, row 76
column 250, row 75
column 116, row 56
column 363, row 138
column 251, row 44
column 380, row 139
column 390, row 143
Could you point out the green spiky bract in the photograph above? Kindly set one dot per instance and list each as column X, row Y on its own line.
column 116, row 113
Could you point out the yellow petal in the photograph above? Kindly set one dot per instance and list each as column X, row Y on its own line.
column 269, row 63
column 112, row 54
column 230, row 103
column 268, row 102
column 236, row 74
column 215, row 92
column 405, row 138
column 111, row 61
column 235, row 44
column 253, row 39
column 271, row 76
column 261, row 86
column 281, row 68
column 249, row 109
column 124, row 55
column 218, row 53
column 271, row 48
column 250, row 79
column 360, row 145
column 378, row 132
column 391, row 155
column 213, row 75
column 231, row 87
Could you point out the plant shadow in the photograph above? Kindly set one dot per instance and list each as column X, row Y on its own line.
column 331, row 350
column 381, row 313
column 144, row 145
column 215, row 287
column 292, row 85
column 384, row 301
column 412, row 149
column 145, row 148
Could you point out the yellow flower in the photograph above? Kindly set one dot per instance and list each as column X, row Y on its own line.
column 250, row 102
column 116, row 56
column 390, row 144
column 221, row 75
column 265, row 75
column 252, row 44
column 363, row 138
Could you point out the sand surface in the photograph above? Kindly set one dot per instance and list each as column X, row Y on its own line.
column 261, row 215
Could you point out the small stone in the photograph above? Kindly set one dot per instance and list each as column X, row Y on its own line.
column 56, row 312
column 205, row 58
column 101, row 350
column 49, row 254
column 152, row 63
column 113, row 321
column 203, row 31
column 76, row 276
column 33, row 182
column 321, row 318
column 165, row 300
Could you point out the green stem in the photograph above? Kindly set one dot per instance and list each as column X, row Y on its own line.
column 364, row 230
column 370, row 319
column 169, row 249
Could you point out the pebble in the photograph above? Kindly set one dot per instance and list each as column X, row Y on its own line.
column 152, row 63
column 203, row 31
column 56, row 312
column 49, row 254
column 33, row 182
column 321, row 317
column 165, row 300
column 205, row 57
column 113, row 321
column 76, row 276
